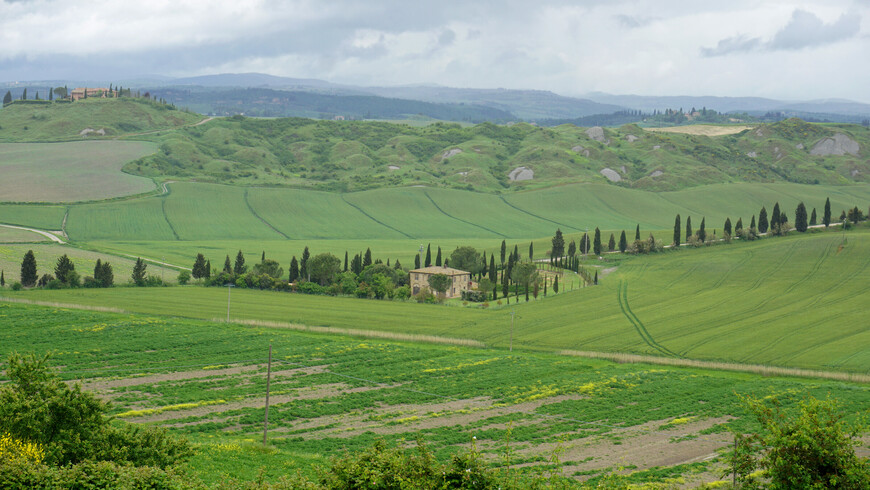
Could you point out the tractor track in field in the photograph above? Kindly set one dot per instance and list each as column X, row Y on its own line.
column 367, row 215
column 814, row 269
column 622, row 298
column 772, row 269
column 445, row 213
column 251, row 209
column 166, row 217
column 536, row 216
column 722, row 277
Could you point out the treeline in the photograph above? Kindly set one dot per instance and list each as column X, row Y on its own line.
column 63, row 94
column 66, row 276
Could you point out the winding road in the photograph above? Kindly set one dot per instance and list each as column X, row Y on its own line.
column 49, row 235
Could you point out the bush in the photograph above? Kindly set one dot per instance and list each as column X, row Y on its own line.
column 474, row 296
column 183, row 277
column 16, row 286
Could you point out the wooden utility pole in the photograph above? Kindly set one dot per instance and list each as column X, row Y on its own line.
column 268, row 379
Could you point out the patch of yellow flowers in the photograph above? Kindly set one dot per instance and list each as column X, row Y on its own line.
column 14, row 450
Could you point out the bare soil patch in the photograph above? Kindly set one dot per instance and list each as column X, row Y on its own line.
column 702, row 129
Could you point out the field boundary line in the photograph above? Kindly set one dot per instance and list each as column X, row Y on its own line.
column 166, row 216
column 536, row 216
column 622, row 298
column 367, row 215
column 72, row 306
column 425, row 193
column 251, row 209
column 353, row 332
column 719, row 366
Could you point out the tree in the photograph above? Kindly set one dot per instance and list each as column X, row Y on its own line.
column 688, row 227
column 428, row 261
column 813, row 218
column 199, row 267
column 60, row 92
column 826, row 219
column 103, row 274
column 62, row 268
column 623, row 243
column 2, row 278
column 24, row 94
column 323, row 267
column 207, row 269
column 7, row 99
column 524, row 274
column 584, row 244
column 727, row 227
column 752, row 223
column 775, row 218
column 367, row 260
column 810, row 447
column 558, row 244
column 637, row 233
column 532, row 251
column 572, row 249
column 294, row 270
column 556, row 285
column 465, row 258
column 139, row 272
column 739, row 226
column 239, row 266
column 28, row 270
column 228, row 266
column 271, row 268
column 855, row 215
column 439, row 283
column 416, row 261
column 800, row 218
column 263, row 257
column 611, row 244
column 762, row 220
column 345, row 261
column 677, row 231
column 397, row 266
column 702, row 231
column 303, row 265
column 438, row 257
column 596, row 242
column 493, row 275
column 503, row 252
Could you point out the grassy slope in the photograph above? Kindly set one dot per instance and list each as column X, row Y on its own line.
column 44, row 217
column 703, row 304
column 65, row 172
column 431, row 392
column 64, row 122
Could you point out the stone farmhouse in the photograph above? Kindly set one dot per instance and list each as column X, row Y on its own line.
column 79, row 93
column 460, row 280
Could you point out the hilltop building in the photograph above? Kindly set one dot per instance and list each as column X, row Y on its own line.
column 79, row 93
column 460, row 280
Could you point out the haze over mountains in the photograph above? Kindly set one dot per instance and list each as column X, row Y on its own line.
column 259, row 94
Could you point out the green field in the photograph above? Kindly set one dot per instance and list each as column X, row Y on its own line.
column 12, row 235
column 67, row 172
column 702, row 304
column 332, row 393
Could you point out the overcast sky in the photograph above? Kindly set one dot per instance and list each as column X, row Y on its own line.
column 787, row 50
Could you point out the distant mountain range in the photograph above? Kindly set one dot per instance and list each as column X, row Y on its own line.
column 229, row 93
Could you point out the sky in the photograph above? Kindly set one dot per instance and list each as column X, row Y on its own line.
column 801, row 50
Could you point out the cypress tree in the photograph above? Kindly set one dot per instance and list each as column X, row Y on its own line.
column 826, row 219
column 739, row 226
column 62, row 268
column 417, row 261
column 103, row 274
column 752, row 224
column 677, row 231
column 727, row 227
column 596, row 242
column 28, row 269
column 611, row 245
column 762, row 220
column 138, row 275
column 398, row 265
column 198, row 267
column 596, row 277
column 263, row 257
column 208, row 269
column 584, row 244
column 702, row 232
column 556, row 285
column 345, row 261
column 356, row 265
column 294, row 269
column 438, row 257
column 623, row 243
column 775, row 218
column 558, row 245
column 367, row 259
column 637, row 233
column 800, row 217
column 813, row 218
column 428, row 255
column 503, row 252
column 239, row 267
column 516, row 253
column 492, row 271
column 7, row 99
column 50, row 95
column 228, row 266
column 303, row 264
column 531, row 251
column 2, row 279
column 688, row 227
column 24, row 94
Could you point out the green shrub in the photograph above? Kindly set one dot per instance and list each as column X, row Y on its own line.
column 16, row 286
column 183, row 277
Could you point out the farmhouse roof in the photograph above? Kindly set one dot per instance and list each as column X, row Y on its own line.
column 436, row 269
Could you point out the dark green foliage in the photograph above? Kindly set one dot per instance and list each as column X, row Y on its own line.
column 228, row 266
column 584, row 244
column 493, row 274
column 271, row 268
column 595, row 281
column 138, row 275
column 323, row 268
column 752, row 223
column 855, row 215
column 813, row 218
column 183, row 277
column 763, row 225
column 558, row 244
column 345, row 261
column 623, row 243
column 28, row 270
column 71, row 424
column 677, row 232
column 7, row 99
column 466, row 259
column 207, row 269
column 199, row 267
column 775, row 216
column 556, row 284
column 239, row 266
column 503, row 251
column 611, row 244
column 62, row 268
column 416, row 262
column 727, row 227
column 438, row 257
column 637, row 233
column 2, row 279
column 800, row 218
column 103, row 274
column 739, row 226
column 428, row 261
column 367, row 259
column 596, row 242
column 826, row 219
column 439, row 282
column 531, row 250
column 294, row 270
column 702, row 230
column 688, row 227
column 303, row 265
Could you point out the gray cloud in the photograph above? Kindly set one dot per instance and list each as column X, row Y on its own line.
column 634, row 21
column 447, row 37
column 803, row 30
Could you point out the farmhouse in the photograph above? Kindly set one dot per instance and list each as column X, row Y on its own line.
column 459, row 280
column 79, row 93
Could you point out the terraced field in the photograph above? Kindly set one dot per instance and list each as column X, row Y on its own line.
column 768, row 302
column 331, row 393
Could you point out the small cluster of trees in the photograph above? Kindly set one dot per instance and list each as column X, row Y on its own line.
column 66, row 276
